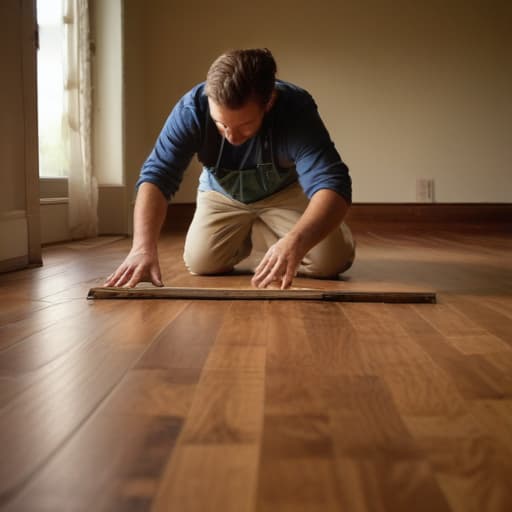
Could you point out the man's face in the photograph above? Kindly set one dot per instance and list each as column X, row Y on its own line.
column 239, row 125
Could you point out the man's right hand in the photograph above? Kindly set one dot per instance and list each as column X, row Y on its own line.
column 139, row 265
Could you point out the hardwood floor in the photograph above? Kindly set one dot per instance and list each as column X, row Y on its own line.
column 261, row 406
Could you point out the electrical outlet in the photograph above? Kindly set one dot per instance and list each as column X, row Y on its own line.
column 424, row 190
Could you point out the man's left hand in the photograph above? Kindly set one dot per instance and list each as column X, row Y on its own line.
column 280, row 263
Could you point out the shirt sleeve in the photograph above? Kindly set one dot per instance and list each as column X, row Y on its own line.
column 318, row 163
column 178, row 141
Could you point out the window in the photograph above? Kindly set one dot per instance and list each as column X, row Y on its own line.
column 50, row 88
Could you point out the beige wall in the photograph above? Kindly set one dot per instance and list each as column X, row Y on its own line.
column 107, row 79
column 408, row 89
column 134, row 46
column 109, row 150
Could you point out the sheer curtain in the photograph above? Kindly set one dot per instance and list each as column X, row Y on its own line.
column 83, row 188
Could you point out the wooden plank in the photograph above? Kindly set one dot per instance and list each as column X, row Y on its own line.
column 215, row 466
column 121, row 462
column 287, row 347
column 65, row 390
column 168, row 292
column 154, row 392
column 227, row 408
column 187, row 341
column 210, row 478
column 479, row 479
column 377, row 459
column 32, row 321
column 245, row 313
column 299, row 484
column 366, row 484
column 484, row 315
column 472, row 375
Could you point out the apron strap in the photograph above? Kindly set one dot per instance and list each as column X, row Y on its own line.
column 220, row 154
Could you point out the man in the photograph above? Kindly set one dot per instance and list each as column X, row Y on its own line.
column 271, row 175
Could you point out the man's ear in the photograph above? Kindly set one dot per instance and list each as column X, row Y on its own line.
column 271, row 101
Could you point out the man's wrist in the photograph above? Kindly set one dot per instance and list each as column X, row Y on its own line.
column 298, row 240
column 144, row 249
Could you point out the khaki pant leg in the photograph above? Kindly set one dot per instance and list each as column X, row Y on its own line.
column 280, row 212
column 219, row 235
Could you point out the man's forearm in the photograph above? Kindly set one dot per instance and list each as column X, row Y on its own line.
column 149, row 216
column 325, row 212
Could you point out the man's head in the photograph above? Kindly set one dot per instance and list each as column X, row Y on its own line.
column 240, row 86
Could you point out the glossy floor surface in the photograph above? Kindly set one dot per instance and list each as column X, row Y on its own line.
column 239, row 406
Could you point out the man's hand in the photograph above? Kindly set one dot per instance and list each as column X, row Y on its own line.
column 324, row 213
column 280, row 263
column 139, row 265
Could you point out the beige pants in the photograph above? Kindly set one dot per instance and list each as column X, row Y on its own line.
column 225, row 233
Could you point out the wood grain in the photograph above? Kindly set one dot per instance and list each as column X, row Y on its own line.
column 104, row 467
column 227, row 408
column 261, row 405
column 210, row 478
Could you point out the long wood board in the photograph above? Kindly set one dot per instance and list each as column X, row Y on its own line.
column 169, row 292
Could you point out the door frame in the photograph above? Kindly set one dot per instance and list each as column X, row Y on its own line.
column 30, row 43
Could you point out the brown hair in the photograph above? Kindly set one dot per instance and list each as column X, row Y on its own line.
column 238, row 76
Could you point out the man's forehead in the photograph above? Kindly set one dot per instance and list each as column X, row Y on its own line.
column 249, row 112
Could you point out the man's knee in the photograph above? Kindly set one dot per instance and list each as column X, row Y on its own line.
column 325, row 268
column 327, row 261
column 204, row 262
column 210, row 258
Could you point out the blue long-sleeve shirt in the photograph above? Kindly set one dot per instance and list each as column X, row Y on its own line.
column 300, row 139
